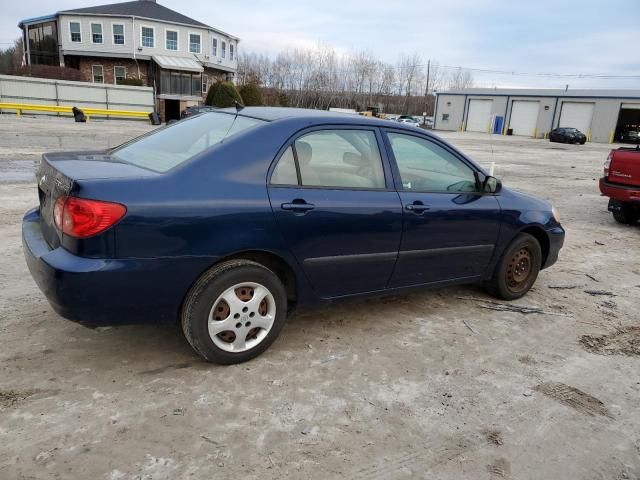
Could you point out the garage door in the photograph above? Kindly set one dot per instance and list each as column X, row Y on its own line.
column 524, row 117
column 479, row 117
column 576, row 115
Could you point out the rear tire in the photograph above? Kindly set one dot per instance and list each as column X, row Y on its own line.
column 234, row 312
column 517, row 269
column 626, row 215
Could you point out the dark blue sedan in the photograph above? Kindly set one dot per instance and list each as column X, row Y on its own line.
column 228, row 220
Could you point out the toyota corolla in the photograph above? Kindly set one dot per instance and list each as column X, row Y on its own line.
column 228, row 221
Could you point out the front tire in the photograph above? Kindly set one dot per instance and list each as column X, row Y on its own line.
column 234, row 312
column 517, row 270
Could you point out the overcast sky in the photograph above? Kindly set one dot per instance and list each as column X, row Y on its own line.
column 582, row 37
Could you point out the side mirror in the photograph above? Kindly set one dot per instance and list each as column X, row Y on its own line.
column 491, row 185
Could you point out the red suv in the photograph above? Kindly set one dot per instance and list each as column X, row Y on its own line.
column 621, row 183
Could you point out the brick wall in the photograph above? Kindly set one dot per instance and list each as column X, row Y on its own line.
column 86, row 64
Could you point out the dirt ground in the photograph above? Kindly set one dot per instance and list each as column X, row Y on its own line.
column 435, row 385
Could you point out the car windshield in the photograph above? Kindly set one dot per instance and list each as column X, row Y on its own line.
column 168, row 147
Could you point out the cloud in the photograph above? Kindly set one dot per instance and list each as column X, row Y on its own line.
column 542, row 36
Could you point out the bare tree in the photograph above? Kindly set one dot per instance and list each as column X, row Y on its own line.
column 459, row 79
column 11, row 58
column 322, row 78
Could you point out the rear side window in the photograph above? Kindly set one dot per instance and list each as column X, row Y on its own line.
column 285, row 171
column 168, row 147
column 332, row 158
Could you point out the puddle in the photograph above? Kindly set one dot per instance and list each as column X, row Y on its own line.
column 17, row 171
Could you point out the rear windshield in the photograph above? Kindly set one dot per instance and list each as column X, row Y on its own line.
column 168, row 147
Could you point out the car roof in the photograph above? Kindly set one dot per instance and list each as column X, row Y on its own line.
column 272, row 114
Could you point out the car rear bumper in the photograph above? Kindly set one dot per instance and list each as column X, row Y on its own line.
column 96, row 291
column 556, row 240
column 622, row 193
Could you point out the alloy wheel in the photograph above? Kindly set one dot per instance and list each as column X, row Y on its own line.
column 241, row 317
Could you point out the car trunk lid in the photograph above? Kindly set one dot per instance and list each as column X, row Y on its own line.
column 625, row 166
column 63, row 174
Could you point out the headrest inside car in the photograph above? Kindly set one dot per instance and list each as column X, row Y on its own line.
column 305, row 152
column 354, row 159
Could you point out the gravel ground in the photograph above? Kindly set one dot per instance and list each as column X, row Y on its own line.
column 429, row 385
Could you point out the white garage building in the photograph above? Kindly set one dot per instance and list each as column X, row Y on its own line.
column 603, row 115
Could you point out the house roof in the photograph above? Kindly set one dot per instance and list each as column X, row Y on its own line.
column 139, row 8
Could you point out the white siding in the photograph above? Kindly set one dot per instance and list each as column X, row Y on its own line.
column 132, row 33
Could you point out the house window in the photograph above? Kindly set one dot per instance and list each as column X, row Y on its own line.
column 172, row 40
column 180, row 83
column 97, row 73
column 119, row 74
column 445, row 117
column 205, row 83
column 74, row 29
column 147, row 36
column 118, row 33
column 214, row 47
column 194, row 43
column 231, row 52
column 96, row 33
column 224, row 49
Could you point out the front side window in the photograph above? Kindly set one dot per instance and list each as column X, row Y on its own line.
column 224, row 49
column 214, row 47
column 166, row 148
column 194, row 43
column 427, row 167
column 96, row 32
column 172, row 40
column 147, row 37
column 97, row 73
column 118, row 34
column 119, row 74
column 74, row 29
column 340, row 158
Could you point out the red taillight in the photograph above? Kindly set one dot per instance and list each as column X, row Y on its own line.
column 82, row 218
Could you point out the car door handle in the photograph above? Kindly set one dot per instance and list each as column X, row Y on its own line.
column 416, row 207
column 298, row 207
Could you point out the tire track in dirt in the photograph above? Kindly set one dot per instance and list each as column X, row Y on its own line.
column 396, row 466
column 574, row 398
column 623, row 341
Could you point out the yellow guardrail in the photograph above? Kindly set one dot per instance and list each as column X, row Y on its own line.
column 88, row 112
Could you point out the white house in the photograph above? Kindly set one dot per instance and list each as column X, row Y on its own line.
column 177, row 55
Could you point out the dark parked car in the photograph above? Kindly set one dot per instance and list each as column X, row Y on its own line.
column 567, row 135
column 630, row 136
column 228, row 220
column 194, row 110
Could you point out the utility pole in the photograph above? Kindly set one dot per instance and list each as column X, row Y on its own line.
column 426, row 95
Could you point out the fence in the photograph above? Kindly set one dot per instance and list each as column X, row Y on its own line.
column 42, row 91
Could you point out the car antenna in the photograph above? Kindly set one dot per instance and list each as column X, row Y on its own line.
column 238, row 105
